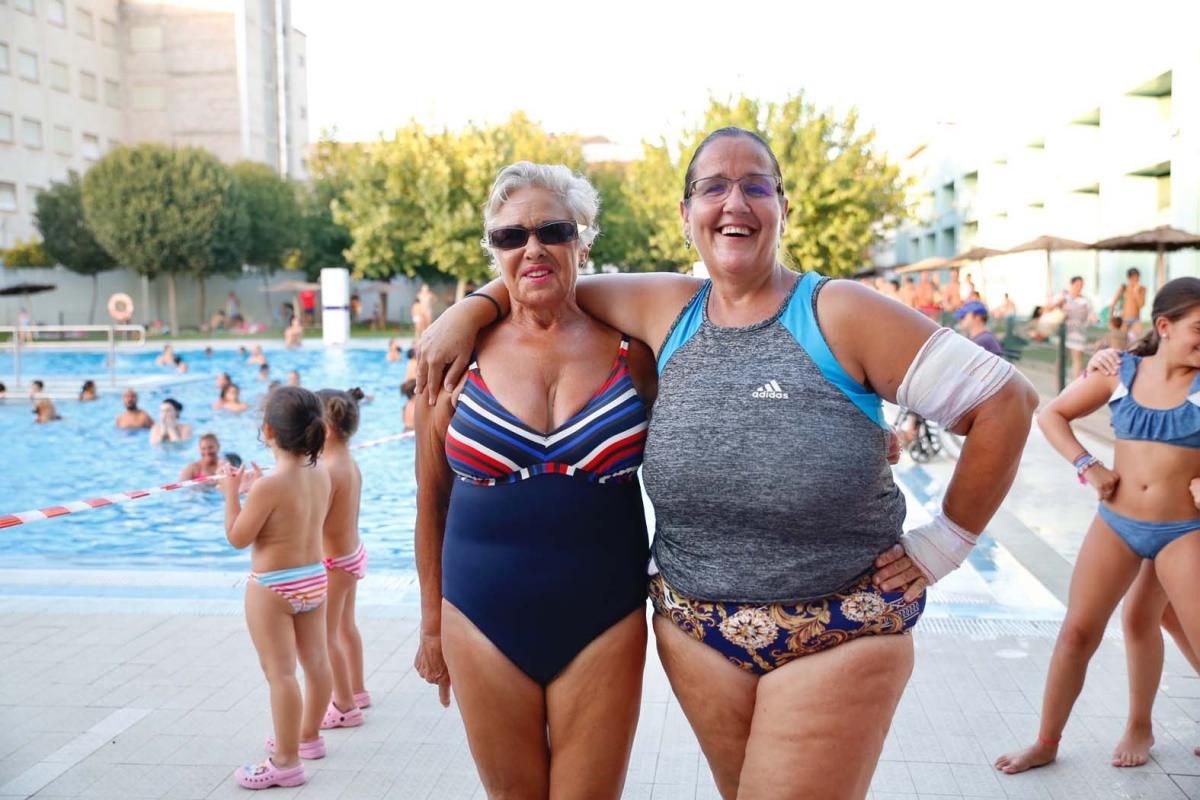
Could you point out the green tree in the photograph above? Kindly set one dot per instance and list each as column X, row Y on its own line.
column 66, row 236
column 413, row 203
column 622, row 231
column 842, row 194
column 654, row 189
column 167, row 211
column 26, row 254
column 273, row 211
column 323, row 242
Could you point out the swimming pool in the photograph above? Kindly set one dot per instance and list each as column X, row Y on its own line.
column 85, row 456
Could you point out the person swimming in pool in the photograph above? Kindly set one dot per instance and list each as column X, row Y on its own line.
column 209, row 462
column 45, row 411
column 169, row 428
column 132, row 417
column 231, row 400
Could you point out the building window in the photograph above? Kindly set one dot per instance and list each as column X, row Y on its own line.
column 300, row 60
column 85, row 24
column 56, row 12
column 8, row 196
column 145, row 38
column 112, row 94
column 108, row 33
column 6, row 128
column 25, row 5
column 87, row 85
column 303, row 112
column 147, row 98
column 91, row 146
column 27, row 65
column 59, row 78
column 3, row 59
column 31, row 133
column 62, row 140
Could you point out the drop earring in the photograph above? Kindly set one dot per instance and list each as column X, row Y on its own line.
column 687, row 239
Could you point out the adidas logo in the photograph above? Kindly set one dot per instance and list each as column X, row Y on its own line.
column 771, row 390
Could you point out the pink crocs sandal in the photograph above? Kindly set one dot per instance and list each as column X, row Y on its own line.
column 362, row 699
column 311, row 750
column 335, row 718
column 265, row 775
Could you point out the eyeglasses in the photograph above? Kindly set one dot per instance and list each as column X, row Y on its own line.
column 510, row 237
column 717, row 187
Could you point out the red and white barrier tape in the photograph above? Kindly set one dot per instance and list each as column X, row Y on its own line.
column 49, row 512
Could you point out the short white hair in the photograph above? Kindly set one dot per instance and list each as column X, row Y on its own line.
column 577, row 193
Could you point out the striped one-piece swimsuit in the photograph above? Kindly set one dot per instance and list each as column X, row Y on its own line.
column 546, row 544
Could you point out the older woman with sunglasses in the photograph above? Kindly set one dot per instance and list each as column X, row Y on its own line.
column 531, row 539
column 766, row 463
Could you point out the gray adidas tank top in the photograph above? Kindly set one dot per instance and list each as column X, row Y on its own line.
column 766, row 462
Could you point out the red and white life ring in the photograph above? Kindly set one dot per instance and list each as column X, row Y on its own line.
column 120, row 307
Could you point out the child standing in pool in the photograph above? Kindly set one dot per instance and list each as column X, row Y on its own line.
column 345, row 560
column 1147, row 510
column 282, row 518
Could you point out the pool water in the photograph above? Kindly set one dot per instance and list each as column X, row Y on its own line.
column 85, row 455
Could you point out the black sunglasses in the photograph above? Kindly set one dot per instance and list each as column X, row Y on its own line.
column 510, row 237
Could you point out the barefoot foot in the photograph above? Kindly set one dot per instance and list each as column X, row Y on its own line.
column 1134, row 748
column 1036, row 755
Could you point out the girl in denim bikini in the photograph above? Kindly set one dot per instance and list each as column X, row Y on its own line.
column 1147, row 511
column 283, row 518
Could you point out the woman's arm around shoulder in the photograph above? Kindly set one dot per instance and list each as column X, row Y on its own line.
column 642, row 305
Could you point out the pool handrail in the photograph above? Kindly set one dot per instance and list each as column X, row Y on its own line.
column 20, row 332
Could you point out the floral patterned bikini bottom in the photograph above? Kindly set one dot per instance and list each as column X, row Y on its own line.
column 760, row 637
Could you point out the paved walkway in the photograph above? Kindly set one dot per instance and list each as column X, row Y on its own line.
column 131, row 696
column 110, row 705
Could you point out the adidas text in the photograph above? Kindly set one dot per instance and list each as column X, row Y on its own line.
column 771, row 390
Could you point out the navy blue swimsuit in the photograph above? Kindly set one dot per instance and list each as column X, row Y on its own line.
column 546, row 545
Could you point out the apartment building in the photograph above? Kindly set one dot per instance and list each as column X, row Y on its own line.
column 1113, row 164
column 78, row 77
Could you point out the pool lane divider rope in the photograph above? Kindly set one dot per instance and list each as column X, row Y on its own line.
column 50, row 512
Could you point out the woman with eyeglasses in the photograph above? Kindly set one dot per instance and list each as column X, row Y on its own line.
column 531, row 540
column 781, row 579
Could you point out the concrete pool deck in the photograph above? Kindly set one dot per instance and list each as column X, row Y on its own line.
column 111, row 705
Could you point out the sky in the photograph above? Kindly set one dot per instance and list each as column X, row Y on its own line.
column 632, row 70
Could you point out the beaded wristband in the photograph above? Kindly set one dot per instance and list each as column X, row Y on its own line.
column 1084, row 465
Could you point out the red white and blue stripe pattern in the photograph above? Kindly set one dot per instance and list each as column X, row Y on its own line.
column 602, row 443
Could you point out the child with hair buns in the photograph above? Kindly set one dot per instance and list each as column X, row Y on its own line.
column 345, row 560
